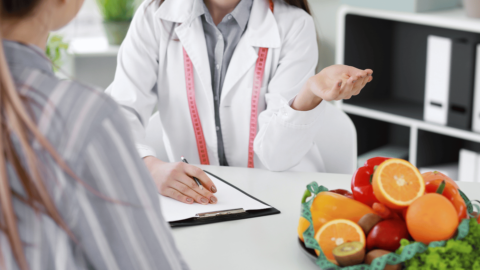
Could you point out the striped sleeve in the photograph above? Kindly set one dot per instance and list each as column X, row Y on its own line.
column 128, row 235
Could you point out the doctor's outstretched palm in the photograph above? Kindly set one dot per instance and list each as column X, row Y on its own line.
column 335, row 82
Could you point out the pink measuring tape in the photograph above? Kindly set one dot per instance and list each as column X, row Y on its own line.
column 192, row 105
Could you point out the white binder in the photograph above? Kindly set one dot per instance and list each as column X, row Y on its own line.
column 476, row 95
column 467, row 167
column 437, row 85
column 477, row 169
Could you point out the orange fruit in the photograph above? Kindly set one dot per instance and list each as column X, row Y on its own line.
column 397, row 183
column 337, row 232
column 431, row 217
column 328, row 206
column 430, row 176
column 303, row 225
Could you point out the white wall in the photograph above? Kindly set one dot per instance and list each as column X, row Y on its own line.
column 325, row 13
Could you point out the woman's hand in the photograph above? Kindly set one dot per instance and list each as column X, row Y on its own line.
column 175, row 180
column 335, row 82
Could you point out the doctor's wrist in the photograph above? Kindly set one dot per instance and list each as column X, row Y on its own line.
column 151, row 162
column 306, row 100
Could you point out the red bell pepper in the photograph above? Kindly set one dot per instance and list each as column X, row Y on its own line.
column 449, row 191
column 343, row 192
column 384, row 212
column 362, row 181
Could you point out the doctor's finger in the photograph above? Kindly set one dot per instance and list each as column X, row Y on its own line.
column 192, row 185
column 357, row 86
column 207, row 183
column 361, row 74
column 338, row 88
column 347, row 88
column 360, row 86
column 187, row 191
column 334, row 92
column 176, row 195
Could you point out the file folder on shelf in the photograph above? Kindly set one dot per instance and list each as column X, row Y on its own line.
column 477, row 169
column 461, row 85
column 476, row 97
column 467, row 166
column 437, row 83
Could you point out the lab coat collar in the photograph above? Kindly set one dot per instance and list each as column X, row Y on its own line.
column 262, row 28
column 192, row 38
column 262, row 31
column 180, row 11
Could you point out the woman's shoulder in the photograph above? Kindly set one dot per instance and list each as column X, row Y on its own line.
column 66, row 112
column 70, row 100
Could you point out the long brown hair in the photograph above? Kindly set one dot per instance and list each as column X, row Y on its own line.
column 17, row 125
column 303, row 4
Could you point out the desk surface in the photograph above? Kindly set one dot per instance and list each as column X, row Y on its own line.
column 266, row 242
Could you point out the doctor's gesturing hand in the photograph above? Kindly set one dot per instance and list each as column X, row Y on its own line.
column 335, row 82
column 175, row 180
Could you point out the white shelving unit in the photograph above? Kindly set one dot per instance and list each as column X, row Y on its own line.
column 92, row 60
column 92, row 47
column 407, row 114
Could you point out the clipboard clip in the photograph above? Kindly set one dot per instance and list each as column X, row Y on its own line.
column 220, row 213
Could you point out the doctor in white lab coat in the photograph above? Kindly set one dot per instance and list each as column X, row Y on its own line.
column 151, row 71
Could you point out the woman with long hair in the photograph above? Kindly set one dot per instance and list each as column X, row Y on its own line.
column 67, row 161
column 234, row 83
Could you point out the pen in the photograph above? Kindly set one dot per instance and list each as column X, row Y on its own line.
column 194, row 178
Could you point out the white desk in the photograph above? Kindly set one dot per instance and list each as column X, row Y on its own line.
column 266, row 242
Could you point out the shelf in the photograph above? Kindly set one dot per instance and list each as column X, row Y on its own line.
column 410, row 122
column 450, row 19
column 92, row 47
column 404, row 108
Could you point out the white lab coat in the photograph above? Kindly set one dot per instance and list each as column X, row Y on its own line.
column 150, row 71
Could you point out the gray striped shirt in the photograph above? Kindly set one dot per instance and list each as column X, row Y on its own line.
column 88, row 130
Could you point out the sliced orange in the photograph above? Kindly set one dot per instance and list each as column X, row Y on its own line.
column 337, row 232
column 397, row 183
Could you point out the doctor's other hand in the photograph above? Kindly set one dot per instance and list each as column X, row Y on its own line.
column 335, row 82
column 175, row 180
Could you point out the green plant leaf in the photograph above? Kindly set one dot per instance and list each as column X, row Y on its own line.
column 117, row 10
column 56, row 48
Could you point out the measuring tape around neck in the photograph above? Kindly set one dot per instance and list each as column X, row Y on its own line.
column 192, row 105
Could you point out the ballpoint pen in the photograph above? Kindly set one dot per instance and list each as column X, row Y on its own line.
column 194, row 178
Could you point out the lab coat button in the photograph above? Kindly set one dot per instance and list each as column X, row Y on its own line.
column 218, row 128
column 218, row 66
column 229, row 16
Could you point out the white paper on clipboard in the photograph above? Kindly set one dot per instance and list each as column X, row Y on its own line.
column 228, row 198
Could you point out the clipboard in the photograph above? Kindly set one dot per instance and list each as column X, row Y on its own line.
column 225, row 215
